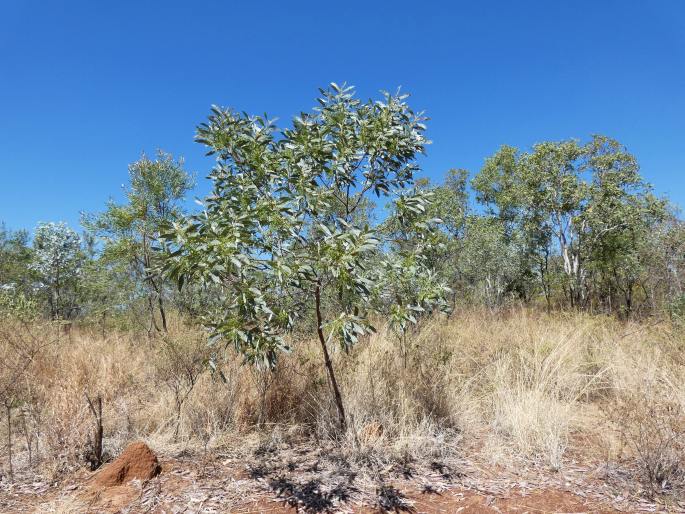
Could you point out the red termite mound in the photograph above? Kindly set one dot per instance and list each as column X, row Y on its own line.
column 137, row 461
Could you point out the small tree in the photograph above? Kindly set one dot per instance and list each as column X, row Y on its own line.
column 407, row 285
column 57, row 261
column 130, row 230
column 106, row 287
column 287, row 229
column 449, row 203
column 488, row 260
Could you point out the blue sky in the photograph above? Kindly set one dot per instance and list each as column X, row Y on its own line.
column 86, row 86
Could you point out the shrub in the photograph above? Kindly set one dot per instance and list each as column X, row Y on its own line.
column 651, row 422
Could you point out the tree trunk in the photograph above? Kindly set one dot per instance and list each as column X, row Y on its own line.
column 98, row 433
column 153, row 321
column 404, row 349
column 327, row 360
column 629, row 299
column 544, row 266
column 8, row 410
column 27, row 437
column 149, row 278
column 161, row 311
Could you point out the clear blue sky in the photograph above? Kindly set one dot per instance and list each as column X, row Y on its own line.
column 86, row 86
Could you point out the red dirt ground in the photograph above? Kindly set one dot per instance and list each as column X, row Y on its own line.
column 457, row 501
column 281, row 484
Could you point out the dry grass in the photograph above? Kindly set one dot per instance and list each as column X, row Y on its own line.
column 648, row 411
column 512, row 388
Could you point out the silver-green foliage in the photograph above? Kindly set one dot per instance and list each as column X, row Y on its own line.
column 57, row 262
column 289, row 228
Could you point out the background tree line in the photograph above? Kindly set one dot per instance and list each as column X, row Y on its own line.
column 564, row 225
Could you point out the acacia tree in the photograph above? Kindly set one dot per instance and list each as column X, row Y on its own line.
column 407, row 281
column 130, row 230
column 282, row 234
column 449, row 203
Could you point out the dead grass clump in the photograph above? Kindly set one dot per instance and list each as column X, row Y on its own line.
column 399, row 409
column 535, row 389
column 95, row 367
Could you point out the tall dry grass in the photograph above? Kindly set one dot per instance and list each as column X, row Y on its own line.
column 516, row 387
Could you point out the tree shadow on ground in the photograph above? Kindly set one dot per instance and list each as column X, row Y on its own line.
column 320, row 482
column 258, row 471
column 390, row 499
column 310, row 496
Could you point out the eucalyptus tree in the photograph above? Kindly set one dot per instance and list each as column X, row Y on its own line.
column 517, row 225
column 57, row 262
column 289, row 228
column 620, row 217
column 130, row 230
column 669, row 266
column 666, row 268
column 619, row 261
column 554, row 197
column 570, row 200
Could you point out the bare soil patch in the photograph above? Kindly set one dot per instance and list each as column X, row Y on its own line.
column 304, row 478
